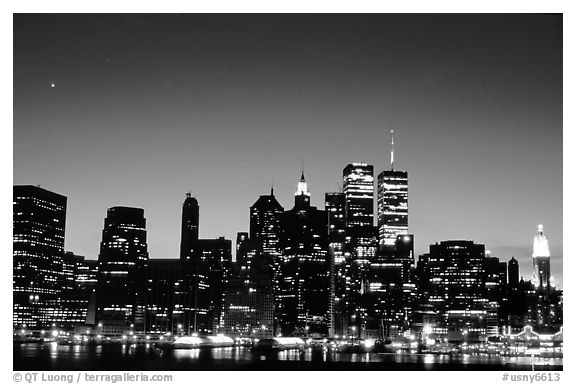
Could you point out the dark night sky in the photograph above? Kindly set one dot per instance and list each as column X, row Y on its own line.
column 146, row 108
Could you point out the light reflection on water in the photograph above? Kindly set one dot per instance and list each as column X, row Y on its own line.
column 241, row 355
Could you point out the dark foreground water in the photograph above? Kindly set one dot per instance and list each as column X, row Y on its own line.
column 117, row 357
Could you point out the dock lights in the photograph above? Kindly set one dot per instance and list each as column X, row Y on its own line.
column 368, row 343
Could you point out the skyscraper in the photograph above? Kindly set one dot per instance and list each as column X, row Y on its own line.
column 190, row 225
column 496, row 283
column 214, row 258
column 358, row 183
column 455, row 279
column 77, row 290
column 541, row 260
column 241, row 239
column 361, row 234
column 39, row 222
column 335, row 205
column 358, row 186
column 303, row 296
column 122, row 271
column 249, row 299
column 205, row 272
column 391, row 290
column 167, row 298
column 265, row 216
column 513, row 272
column 392, row 203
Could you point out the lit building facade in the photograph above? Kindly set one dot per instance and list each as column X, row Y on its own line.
column 496, row 289
column 453, row 275
column 78, row 291
column 392, row 206
column 215, row 258
column 358, row 186
column 335, row 206
column 392, row 203
column 87, row 281
column 304, row 292
column 205, row 272
column 265, row 216
column 361, row 236
column 546, row 302
column 264, row 223
column 39, row 223
column 391, row 291
column 249, row 299
column 122, row 267
column 541, row 260
column 168, row 306
column 241, row 239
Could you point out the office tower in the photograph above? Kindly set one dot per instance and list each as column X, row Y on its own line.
column 87, row 281
column 241, row 239
column 513, row 272
column 265, row 231
column 167, row 306
column 77, row 293
column 391, row 291
column 303, row 297
column 264, row 216
column 190, row 225
column 496, row 288
column 358, row 183
column 541, row 260
column 39, row 222
column 122, row 271
column 455, row 281
column 205, row 268
column 214, row 261
column 335, row 206
column 392, row 203
column 249, row 298
column 195, row 316
column 361, row 238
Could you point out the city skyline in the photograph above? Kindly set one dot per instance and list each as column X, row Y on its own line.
column 226, row 110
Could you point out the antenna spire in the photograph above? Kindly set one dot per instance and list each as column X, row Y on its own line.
column 272, row 189
column 302, row 177
column 392, row 151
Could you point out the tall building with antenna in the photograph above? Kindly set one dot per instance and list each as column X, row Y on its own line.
column 303, row 297
column 392, row 203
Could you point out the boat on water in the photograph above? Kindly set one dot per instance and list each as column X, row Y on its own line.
column 276, row 344
column 190, row 342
